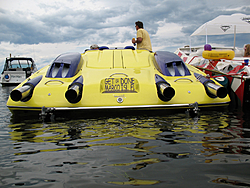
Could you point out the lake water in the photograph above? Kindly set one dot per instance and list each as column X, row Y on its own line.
column 173, row 150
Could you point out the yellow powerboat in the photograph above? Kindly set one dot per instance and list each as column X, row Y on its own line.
column 116, row 79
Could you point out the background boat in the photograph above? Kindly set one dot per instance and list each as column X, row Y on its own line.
column 16, row 70
column 234, row 72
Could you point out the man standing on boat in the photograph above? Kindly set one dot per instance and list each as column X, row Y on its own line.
column 247, row 50
column 143, row 39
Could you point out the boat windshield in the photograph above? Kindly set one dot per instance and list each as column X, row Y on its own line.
column 20, row 64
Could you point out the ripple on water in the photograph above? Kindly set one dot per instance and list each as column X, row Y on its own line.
column 172, row 150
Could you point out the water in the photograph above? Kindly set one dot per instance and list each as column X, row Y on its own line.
column 174, row 150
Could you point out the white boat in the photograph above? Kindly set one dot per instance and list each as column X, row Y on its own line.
column 233, row 73
column 16, row 70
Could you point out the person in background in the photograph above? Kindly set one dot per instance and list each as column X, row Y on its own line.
column 247, row 50
column 143, row 40
column 94, row 47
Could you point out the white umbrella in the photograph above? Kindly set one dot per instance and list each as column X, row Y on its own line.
column 225, row 24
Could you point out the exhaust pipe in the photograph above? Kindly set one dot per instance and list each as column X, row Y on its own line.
column 216, row 90
column 74, row 92
column 213, row 90
column 20, row 93
column 165, row 91
column 25, row 92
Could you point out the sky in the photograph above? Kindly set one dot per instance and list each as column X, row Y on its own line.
column 44, row 29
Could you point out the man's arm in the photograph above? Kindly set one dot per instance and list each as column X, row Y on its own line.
column 139, row 40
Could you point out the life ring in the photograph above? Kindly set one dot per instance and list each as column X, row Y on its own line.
column 6, row 77
column 218, row 54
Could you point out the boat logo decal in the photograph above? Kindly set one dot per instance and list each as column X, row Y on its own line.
column 246, row 19
column 119, row 99
column 225, row 27
column 7, row 77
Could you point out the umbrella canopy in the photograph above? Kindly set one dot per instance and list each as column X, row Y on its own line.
column 225, row 24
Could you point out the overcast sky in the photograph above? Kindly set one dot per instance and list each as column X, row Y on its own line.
column 43, row 29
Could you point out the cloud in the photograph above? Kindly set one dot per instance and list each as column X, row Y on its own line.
column 76, row 24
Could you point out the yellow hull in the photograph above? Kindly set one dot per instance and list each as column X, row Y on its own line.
column 218, row 54
column 112, row 79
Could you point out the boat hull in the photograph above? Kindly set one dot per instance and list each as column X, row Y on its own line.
column 113, row 79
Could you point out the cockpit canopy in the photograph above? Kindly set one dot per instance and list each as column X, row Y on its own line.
column 65, row 66
column 171, row 64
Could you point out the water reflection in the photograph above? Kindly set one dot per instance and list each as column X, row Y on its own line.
column 227, row 181
column 216, row 134
column 121, row 147
column 5, row 113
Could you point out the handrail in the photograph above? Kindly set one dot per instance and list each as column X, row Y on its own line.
column 118, row 73
column 53, row 81
column 183, row 79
